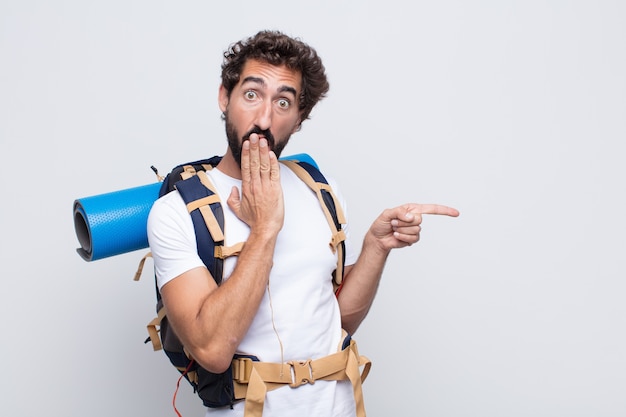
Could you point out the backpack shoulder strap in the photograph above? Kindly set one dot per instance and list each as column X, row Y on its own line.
column 205, row 209
column 313, row 177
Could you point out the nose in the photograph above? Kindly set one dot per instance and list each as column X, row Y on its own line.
column 264, row 116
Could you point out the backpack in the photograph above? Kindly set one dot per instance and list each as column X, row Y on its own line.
column 191, row 181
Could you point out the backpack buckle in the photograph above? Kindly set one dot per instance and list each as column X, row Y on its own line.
column 302, row 373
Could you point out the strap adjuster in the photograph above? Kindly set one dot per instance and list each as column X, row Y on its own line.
column 242, row 368
column 302, row 373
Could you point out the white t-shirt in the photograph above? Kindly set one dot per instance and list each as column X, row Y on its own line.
column 300, row 298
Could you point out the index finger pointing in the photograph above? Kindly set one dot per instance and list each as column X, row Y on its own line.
column 433, row 209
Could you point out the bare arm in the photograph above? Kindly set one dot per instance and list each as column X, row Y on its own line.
column 394, row 228
column 211, row 321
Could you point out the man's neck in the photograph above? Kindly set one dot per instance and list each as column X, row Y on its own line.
column 229, row 166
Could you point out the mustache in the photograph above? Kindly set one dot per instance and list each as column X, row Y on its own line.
column 266, row 133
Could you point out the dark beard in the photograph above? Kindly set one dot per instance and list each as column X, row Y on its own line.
column 235, row 143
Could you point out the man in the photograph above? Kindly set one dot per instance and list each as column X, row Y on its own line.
column 277, row 300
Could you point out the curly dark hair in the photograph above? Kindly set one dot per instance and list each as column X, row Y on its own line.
column 276, row 48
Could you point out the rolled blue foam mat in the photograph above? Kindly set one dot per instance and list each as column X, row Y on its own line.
column 114, row 223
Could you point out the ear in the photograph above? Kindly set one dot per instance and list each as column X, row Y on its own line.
column 222, row 98
column 297, row 126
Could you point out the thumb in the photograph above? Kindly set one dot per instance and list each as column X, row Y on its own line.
column 234, row 200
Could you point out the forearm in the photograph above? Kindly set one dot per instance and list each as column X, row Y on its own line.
column 212, row 321
column 361, row 284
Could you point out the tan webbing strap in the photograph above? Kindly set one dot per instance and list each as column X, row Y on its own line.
column 153, row 332
column 192, row 205
column 212, row 224
column 204, row 179
column 352, row 369
column 203, row 205
column 252, row 380
column 255, row 399
column 223, row 252
column 326, row 187
column 188, row 172
column 141, row 264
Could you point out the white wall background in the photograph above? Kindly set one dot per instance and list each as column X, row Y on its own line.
column 512, row 111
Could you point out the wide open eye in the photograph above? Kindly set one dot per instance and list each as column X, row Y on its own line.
column 284, row 103
column 250, row 95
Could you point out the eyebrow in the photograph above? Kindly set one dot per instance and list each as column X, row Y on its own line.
column 261, row 81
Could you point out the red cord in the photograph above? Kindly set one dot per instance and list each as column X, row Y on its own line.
column 339, row 290
column 178, row 386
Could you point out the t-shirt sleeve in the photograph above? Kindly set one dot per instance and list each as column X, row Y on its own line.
column 171, row 238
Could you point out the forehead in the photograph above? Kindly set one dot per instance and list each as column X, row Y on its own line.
column 273, row 76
